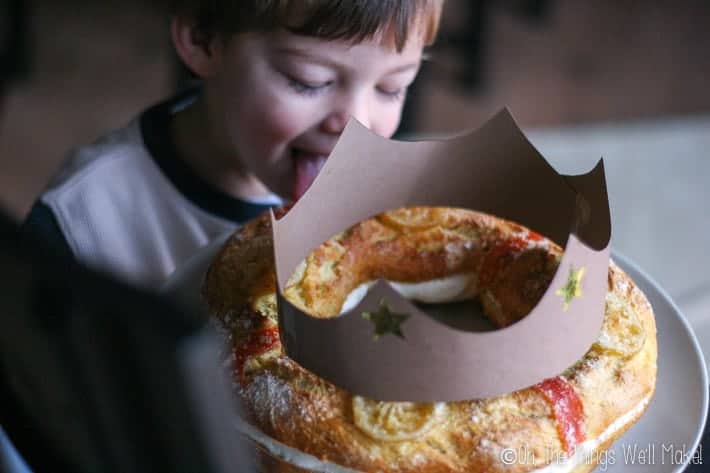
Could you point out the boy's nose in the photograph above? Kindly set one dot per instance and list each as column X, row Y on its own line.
column 335, row 122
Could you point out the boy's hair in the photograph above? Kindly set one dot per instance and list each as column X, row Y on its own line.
column 350, row 20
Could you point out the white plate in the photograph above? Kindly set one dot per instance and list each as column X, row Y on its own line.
column 666, row 437
column 672, row 427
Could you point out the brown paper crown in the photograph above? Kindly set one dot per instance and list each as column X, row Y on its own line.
column 493, row 170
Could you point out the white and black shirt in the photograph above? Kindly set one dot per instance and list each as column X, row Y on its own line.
column 129, row 206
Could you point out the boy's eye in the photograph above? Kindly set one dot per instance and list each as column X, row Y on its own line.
column 392, row 94
column 305, row 88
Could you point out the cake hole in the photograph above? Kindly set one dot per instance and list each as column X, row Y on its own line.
column 464, row 315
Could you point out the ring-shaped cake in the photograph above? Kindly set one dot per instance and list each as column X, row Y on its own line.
column 434, row 255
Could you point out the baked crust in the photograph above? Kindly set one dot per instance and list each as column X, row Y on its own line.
column 303, row 411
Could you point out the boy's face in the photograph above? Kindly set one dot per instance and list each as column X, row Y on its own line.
column 283, row 100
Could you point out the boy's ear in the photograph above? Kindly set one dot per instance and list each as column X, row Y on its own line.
column 197, row 52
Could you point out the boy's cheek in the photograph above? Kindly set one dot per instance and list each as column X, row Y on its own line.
column 284, row 120
column 387, row 121
column 390, row 127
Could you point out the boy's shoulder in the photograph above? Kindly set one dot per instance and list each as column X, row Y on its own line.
column 87, row 164
column 121, row 154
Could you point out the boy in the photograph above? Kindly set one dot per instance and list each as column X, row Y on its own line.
column 280, row 79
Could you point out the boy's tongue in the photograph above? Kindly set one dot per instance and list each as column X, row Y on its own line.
column 307, row 167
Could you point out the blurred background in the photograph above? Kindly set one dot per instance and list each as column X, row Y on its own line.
column 622, row 79
column 90, row 66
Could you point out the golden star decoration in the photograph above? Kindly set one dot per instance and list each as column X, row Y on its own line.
column 385, row 321
column 573, row 288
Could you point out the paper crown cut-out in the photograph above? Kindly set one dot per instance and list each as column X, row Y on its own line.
column 493, row 170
